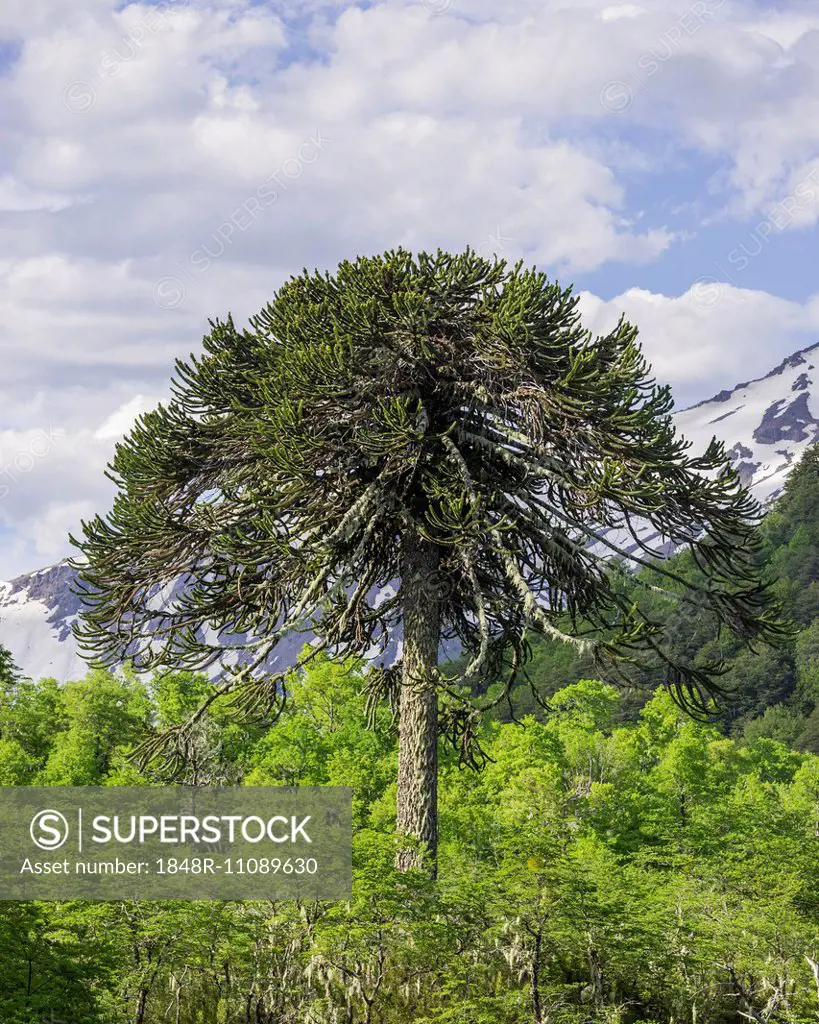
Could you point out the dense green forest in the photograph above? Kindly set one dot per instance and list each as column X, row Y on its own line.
column 651, row 871
column 615, row 860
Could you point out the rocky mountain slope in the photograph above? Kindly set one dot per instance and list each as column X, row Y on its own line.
column 765, row 424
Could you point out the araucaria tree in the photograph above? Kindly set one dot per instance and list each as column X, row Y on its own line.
column 425, row 446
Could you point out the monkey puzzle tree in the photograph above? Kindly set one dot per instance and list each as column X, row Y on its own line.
column 428, row 443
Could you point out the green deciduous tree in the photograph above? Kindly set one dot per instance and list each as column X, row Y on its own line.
column 102, row 715
column 442, row 421
column 47, row 969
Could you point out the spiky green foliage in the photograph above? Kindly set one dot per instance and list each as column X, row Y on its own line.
column 8, row 670
column 450, row 397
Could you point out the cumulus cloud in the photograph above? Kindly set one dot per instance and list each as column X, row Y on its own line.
column 15, row 197
column 122, row 420
column 712, row 336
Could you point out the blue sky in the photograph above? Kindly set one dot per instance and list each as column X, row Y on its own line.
column 168, row 162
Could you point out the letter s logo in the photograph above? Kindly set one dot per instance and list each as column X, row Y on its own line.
column 49, row 830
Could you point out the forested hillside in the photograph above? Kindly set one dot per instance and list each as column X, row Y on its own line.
column 614, row 860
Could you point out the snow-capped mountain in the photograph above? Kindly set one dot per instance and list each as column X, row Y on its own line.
column 36, row 613
column 765, row 424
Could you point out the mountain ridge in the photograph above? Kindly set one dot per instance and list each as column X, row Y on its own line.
column 794, row 359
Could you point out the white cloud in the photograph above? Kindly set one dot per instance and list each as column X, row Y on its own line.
column 120, row 422
column 618, row 11
column 710, row 337
column 16, row 197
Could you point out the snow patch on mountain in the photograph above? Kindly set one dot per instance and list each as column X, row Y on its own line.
column 765, row 424
column 36, row 615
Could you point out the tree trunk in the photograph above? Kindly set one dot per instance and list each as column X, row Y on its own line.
column 537, row 1010
column 418, row 718
column 141, row 1005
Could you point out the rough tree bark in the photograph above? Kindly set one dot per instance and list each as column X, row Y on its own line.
column 418, row 714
